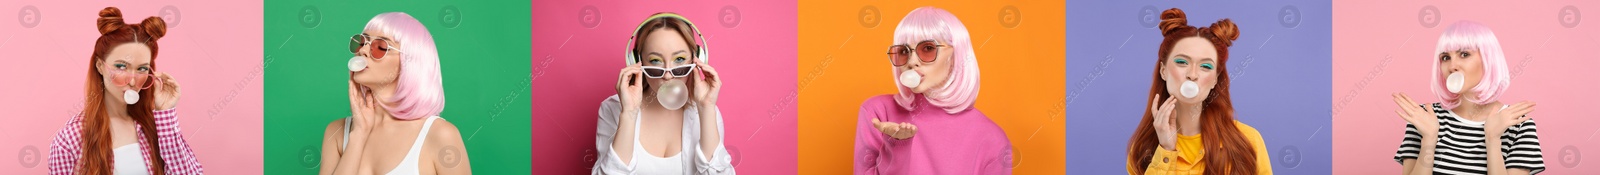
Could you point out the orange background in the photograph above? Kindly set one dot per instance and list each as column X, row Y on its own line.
column 842, row 63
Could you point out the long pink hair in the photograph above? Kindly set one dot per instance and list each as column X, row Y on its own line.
column 960, row 91
column 1471, row 35
column 419, row 91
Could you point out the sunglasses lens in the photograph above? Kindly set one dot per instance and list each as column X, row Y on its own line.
column 379, row 48
column 654, row 72
column 898, row 55
column 682, row 71
column 355, row 43
column 142, row 81
column 927, row 51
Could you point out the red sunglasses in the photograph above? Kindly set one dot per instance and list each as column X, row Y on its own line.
column 927, row 51
column 380, row 46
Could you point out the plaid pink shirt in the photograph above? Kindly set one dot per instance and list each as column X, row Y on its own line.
column 66, row 149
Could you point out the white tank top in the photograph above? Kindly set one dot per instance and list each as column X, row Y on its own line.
column 650, row 164
column 128, row 161
column 409, row 165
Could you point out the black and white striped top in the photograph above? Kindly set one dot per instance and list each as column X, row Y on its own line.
column 1461, row 148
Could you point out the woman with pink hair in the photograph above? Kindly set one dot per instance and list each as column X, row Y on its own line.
column 930, row 126
column 1452, row 136
column 395, row 100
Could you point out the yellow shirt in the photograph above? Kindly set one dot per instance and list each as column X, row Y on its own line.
column 1187, row 158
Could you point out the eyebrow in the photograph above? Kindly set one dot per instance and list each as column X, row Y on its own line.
column 919, row 42
column 673, row 53
column 125, row 61
column 1190, row 57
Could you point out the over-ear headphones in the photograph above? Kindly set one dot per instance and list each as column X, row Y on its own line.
column 634, row 57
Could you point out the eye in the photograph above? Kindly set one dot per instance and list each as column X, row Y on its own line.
column 1465, row 54
column 655, row 61
column 1181, row 61
column 120, row 66
column 144, row 69
column 1444, row 57
column 1207, row 66
column 679, row 59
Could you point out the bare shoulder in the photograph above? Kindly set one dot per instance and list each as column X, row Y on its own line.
column 335, row 129
column 443, row 131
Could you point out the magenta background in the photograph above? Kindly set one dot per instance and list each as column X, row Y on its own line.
column 213, row 50
column 1557, row 75
column 575, row 67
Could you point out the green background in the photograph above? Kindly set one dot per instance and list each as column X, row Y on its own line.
column 483, row 54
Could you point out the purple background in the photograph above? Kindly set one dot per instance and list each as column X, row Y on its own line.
column 1280, row 85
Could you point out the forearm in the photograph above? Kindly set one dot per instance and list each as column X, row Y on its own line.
column 622, row 144
column 1497, row 159
column 179, row 157
column 710, row 134
column 1425, row 150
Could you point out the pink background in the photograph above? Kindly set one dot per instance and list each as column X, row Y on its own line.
column 213, row 49
column 1555, row 65
column 575, row 67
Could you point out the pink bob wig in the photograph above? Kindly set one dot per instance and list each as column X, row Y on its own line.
column 958, row 92
column 419, row 91
column 1468, row 35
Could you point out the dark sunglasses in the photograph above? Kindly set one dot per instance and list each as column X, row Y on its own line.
column 658, row 72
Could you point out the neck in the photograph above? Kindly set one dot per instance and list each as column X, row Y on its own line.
column 1189, row 118
column 383, row 92
column 1473, row 111
column 115, row 108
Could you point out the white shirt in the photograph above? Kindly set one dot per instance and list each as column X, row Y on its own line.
column 685, row 162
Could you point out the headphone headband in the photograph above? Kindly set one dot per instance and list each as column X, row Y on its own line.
column 632, row 57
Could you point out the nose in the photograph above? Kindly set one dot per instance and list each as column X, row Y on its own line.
column 914, row 61
column 1192, row 73
column 365, row 50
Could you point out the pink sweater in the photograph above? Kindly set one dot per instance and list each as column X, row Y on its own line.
column 962, row 143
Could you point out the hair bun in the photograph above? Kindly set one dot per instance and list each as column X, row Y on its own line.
column 155, row 27
column 1225, row 31
column 1172, row 20
column 110, row 20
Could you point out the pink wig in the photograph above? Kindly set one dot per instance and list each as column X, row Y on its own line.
column 961, row 89
column 418, row 91
column 1467, row 35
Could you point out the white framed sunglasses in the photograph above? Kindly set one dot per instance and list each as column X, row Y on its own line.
column 658, row 72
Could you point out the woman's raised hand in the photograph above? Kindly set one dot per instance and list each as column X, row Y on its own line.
column 1166, row 125
column 1422, row 118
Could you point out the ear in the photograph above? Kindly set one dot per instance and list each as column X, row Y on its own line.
column 1162, row 67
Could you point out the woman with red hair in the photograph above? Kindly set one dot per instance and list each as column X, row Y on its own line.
column 1195, row 132
column 124, row 133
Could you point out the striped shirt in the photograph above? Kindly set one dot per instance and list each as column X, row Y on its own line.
column 67, row 148
column 1461, row 148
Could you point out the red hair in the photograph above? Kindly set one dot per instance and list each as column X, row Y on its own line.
column 1226, row 149
column 96, row 131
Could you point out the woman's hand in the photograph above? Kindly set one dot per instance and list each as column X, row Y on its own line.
column 899, row 131
column 364, row 109
column 1505, row 118
column 1422, row 118
column 166, row 90
column 1166, row 125
column 630, row 87
column 707, row 84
